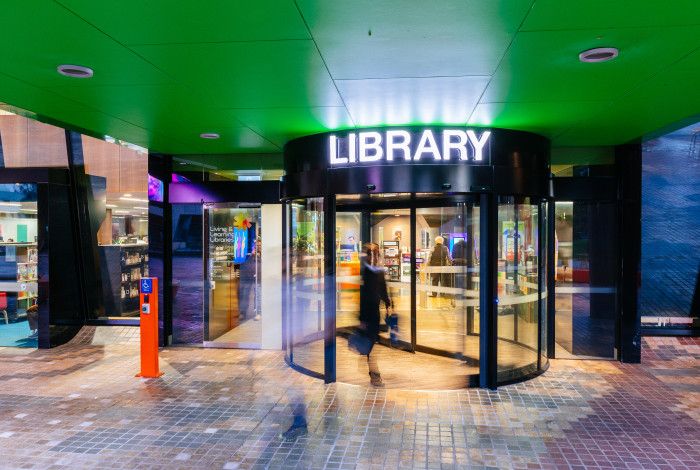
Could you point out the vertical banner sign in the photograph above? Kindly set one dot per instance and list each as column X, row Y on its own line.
column 148, row 300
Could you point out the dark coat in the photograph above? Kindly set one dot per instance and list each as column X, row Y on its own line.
column 440, row 256
column 373, row 291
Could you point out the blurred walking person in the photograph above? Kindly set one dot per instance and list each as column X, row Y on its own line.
column 373, row 292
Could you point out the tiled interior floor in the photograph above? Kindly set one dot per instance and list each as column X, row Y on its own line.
column 80, row 406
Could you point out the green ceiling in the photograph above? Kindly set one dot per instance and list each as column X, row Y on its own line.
column 262, row 72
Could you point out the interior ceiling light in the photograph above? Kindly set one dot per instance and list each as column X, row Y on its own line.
column 75, row 71
column 599, row 54
column 209, row 135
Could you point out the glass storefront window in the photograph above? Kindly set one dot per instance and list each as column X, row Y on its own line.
column 306, row 270
column 19, row 296
column 518, row 289
column 29, row 143
column 119, row 180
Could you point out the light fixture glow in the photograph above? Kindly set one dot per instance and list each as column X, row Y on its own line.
column 75, row 71
column 133, row 199
column 209, row 135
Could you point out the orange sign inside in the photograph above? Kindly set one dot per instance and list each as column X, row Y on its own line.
column 148, row 301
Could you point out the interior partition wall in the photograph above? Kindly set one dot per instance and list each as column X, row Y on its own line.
column 480, row 314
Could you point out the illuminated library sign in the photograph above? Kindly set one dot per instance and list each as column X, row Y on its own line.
column 409, row 146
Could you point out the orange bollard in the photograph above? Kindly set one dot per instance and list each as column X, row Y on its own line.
column 148, row 301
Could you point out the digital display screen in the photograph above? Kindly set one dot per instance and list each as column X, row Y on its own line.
column 240, row 244
column 156, row 189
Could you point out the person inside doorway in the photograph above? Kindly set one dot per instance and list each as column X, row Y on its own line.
column 439, row 258
column 373, row 292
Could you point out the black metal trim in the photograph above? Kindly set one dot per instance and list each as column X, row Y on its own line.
column 526, row 377
column 413, row 288
column 329, row 290
column 303, row 370
column 540, row 279
column 673, row 331
column 488, row 318
column 285, row 278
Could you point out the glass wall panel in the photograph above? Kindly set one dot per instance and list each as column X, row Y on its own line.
column 306, row 272
column 447, row 281
column 188, row 274
column 586, row 276
column 18, row 265
column 518, row 290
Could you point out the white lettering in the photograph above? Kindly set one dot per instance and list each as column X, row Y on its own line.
column 352, row 154
column 335, row 160
column 375, row 145
column 448, row 145
column 403, row 144
column 400, row 145
column 478, row 143
column 427, row 144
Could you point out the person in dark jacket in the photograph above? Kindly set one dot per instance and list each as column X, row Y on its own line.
column 439, row 257
column 373, row 291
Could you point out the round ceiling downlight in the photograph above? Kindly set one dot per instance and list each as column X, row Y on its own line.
column 75, row 71
column 209, row 135
column 599, row 54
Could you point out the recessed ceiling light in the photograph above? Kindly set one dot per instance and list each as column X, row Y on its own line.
column 75, row 71
column 599, row 54
column 209, row 135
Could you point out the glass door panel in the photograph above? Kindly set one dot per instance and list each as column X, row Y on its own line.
column 518, row 289
column 232, row 302
column 348, row 227
column 306, row 270
column 391, row 230
column 447, row 280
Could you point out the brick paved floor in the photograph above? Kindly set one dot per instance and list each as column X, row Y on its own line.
column 79, row 406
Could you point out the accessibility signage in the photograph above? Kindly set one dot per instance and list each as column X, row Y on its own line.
column 146, row 285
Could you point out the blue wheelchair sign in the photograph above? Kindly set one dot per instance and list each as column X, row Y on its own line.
column 146, row 285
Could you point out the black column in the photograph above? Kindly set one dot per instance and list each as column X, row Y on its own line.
column 160, row 236
column 329, row 288
column 628, row 163
column 488, row 314
column 551, row 279
column 86, row 223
